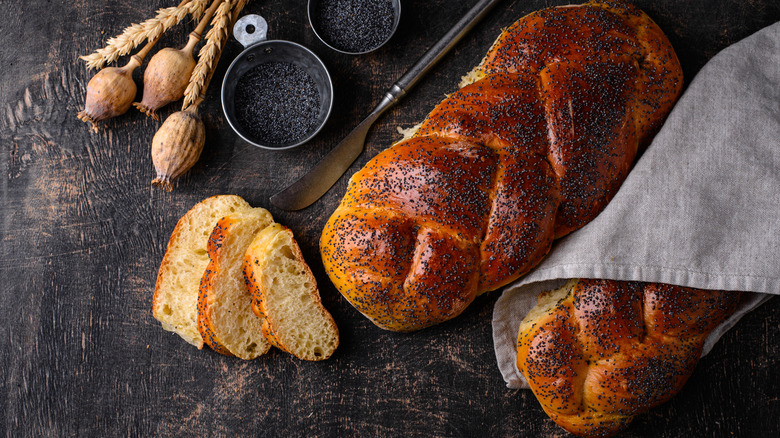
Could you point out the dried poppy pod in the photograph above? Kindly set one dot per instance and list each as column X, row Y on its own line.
column 110, row 93
column 177, row 145
column 168, row 73
column 166, row 78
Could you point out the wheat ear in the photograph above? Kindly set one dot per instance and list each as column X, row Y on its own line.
column 137, row 33
column 198, row 7
column 208, row 55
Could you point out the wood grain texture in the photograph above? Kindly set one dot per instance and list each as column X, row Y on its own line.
column 83, row 234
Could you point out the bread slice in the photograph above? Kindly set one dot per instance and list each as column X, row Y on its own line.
column 284, row 293
column 225, row 317
column 176, row 291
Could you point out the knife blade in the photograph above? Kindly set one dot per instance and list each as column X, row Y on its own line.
column 315, row 183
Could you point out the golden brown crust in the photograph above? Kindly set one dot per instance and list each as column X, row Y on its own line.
column 610, row 350
column 205, row 326
column 532, row 150
column 225, row 318
column 254, row 286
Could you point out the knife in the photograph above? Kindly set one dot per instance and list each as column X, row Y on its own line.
column 312, row 185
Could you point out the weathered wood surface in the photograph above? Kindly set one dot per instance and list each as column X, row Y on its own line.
column 83, row 234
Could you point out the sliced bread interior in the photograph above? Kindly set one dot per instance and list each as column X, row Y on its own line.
column 176, row 291
column 545, row 303
column 225, row 317
column 285, row 294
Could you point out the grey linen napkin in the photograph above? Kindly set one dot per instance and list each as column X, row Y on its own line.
column 701, row 208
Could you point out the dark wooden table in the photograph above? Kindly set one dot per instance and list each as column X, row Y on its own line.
column 83, row 235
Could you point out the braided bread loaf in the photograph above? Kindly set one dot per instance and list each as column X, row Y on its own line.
column 598, row 352
column 532, row 147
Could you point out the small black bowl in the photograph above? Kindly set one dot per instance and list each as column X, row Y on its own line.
column 316, row 27
column 250, row 31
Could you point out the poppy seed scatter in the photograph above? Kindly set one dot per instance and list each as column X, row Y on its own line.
column 277, row 103
column 354, row 26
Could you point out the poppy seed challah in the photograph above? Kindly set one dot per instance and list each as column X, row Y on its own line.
column 598, row 352
column 533, row 146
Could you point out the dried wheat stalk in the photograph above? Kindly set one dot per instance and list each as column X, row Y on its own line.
column 208, row 55
column 150, row 29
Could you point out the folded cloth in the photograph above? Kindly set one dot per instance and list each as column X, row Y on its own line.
column 701, row 208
